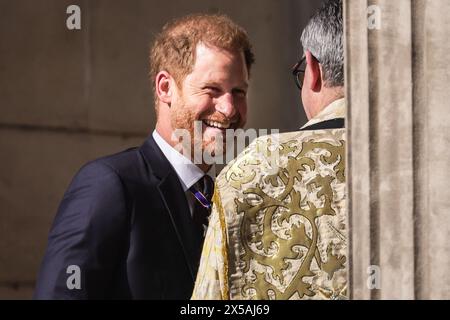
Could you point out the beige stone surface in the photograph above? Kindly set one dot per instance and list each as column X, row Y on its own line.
column 41, row 66
column 97, row 77
column 397, row 89
column 433, row 139
column 16, row 292
column 36, row 169
column 358, row 120
column 392, row 183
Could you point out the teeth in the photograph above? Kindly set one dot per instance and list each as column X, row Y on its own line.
column 216, row 124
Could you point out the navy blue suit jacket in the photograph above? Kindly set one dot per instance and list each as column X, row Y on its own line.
column 125, row 222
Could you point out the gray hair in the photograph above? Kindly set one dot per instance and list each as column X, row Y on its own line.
column 323, row 37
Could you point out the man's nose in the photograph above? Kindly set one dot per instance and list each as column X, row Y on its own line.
column 226, row 105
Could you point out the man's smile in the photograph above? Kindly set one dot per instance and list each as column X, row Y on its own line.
column 217, row 124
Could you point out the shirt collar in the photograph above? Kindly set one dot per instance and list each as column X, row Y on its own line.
column 334, row 110
column 187, row 172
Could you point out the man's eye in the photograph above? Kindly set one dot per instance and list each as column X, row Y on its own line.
column 240, row 93
column 212, row 89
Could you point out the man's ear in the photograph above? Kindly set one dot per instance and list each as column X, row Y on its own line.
column 164, row 84
column 314, row 81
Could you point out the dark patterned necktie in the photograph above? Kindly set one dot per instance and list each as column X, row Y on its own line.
column 202, row 205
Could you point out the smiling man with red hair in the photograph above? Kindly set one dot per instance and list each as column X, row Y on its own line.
column 131, row 225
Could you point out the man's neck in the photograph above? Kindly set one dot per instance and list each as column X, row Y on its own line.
column 166, row 135
column 165, row 131
column 327, row 96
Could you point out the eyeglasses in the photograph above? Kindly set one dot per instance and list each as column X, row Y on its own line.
column 298, row 70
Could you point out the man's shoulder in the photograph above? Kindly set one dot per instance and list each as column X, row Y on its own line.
column 120, row 161
column 127, row 165
column 264, row 150
column 116, row 161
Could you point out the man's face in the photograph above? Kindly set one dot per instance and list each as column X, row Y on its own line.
column 214, row 93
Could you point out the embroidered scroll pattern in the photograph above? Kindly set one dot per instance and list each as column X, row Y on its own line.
column 279, row 228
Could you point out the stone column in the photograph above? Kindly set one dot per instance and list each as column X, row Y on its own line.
column 397, row 78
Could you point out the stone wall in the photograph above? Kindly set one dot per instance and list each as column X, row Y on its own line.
column 399, row 136
column 69, row 96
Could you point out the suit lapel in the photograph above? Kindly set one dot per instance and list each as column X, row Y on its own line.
column 174, row 199
column 188, row 235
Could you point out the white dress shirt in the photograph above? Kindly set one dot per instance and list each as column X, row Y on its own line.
column 188, row 173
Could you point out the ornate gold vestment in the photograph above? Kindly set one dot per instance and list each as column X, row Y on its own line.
column 278, row 229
